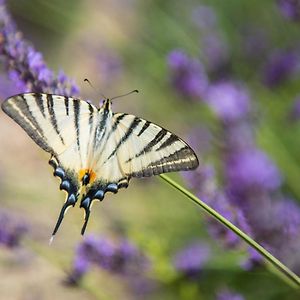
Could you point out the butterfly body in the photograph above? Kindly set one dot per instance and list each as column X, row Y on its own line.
column 93, row 150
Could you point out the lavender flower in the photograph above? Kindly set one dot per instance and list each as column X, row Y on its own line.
column 10, row 86
column 232, row 213
column 11, row 230
column 280, row 66
column 226, row 294
column 25, row 65
column 190, row 260
column 187, row 75
column 252, row 170
column 290, row 9
column 120, row 258
column 230, row 101
column 215, row 54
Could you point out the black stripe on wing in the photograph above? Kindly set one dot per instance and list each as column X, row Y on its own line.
column 76, row 106
column 183, row 159
column 17, row 108
column 168, row 142
column 23, row 106
column 146, row 125
column 159, row 136
column 66, row 100
column 40, row 103
column 136, row 121
column 52, row 115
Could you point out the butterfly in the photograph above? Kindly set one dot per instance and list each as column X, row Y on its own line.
column 94, row 150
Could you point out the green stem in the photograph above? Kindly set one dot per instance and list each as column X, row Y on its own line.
column 290, row 275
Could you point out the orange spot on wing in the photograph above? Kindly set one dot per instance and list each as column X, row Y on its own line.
column 83, row 172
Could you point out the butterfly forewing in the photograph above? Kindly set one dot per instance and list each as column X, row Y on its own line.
column 144, row 149
column 55, row 123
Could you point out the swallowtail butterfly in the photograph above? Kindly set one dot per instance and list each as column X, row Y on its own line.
column 93, row 150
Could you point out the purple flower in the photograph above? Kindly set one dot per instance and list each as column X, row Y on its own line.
column 215, row 53
column 10, row 87
column 253, row 260
column 225, row 294
column 190, row 260
column 232, row 213
column 280, row 66
column 187, row 74
column 290, row 9
column 11, row 230
column 202, row 180
column 230, row 101
column 24, row 64
column 238, row 137
column 121, row 258
column 252, row 170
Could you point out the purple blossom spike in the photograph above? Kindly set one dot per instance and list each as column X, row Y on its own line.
column 253, row 260
column 190, row 260
column 11, row 230
column 187, row 74
column 10, row 86
column 281, row 66
column 24, row 64
column 121, row 258
column 290, row 9
column 252, row 170
column 232, row 213
column 230, row 101
column 215, row 53
column 226, row 294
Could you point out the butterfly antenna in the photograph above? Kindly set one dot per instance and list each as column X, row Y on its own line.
column 86, row 80
column 134, row 91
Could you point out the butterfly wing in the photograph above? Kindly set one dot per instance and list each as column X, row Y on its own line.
column 52, row 121
column 145, row 149
column 61, row 126
column 134, row 147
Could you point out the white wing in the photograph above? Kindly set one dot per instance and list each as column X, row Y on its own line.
column 55, row 123
column 139, row 148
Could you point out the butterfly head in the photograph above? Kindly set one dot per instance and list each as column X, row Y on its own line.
column 106, row 105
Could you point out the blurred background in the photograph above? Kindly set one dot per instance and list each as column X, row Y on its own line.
column 224, row 76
